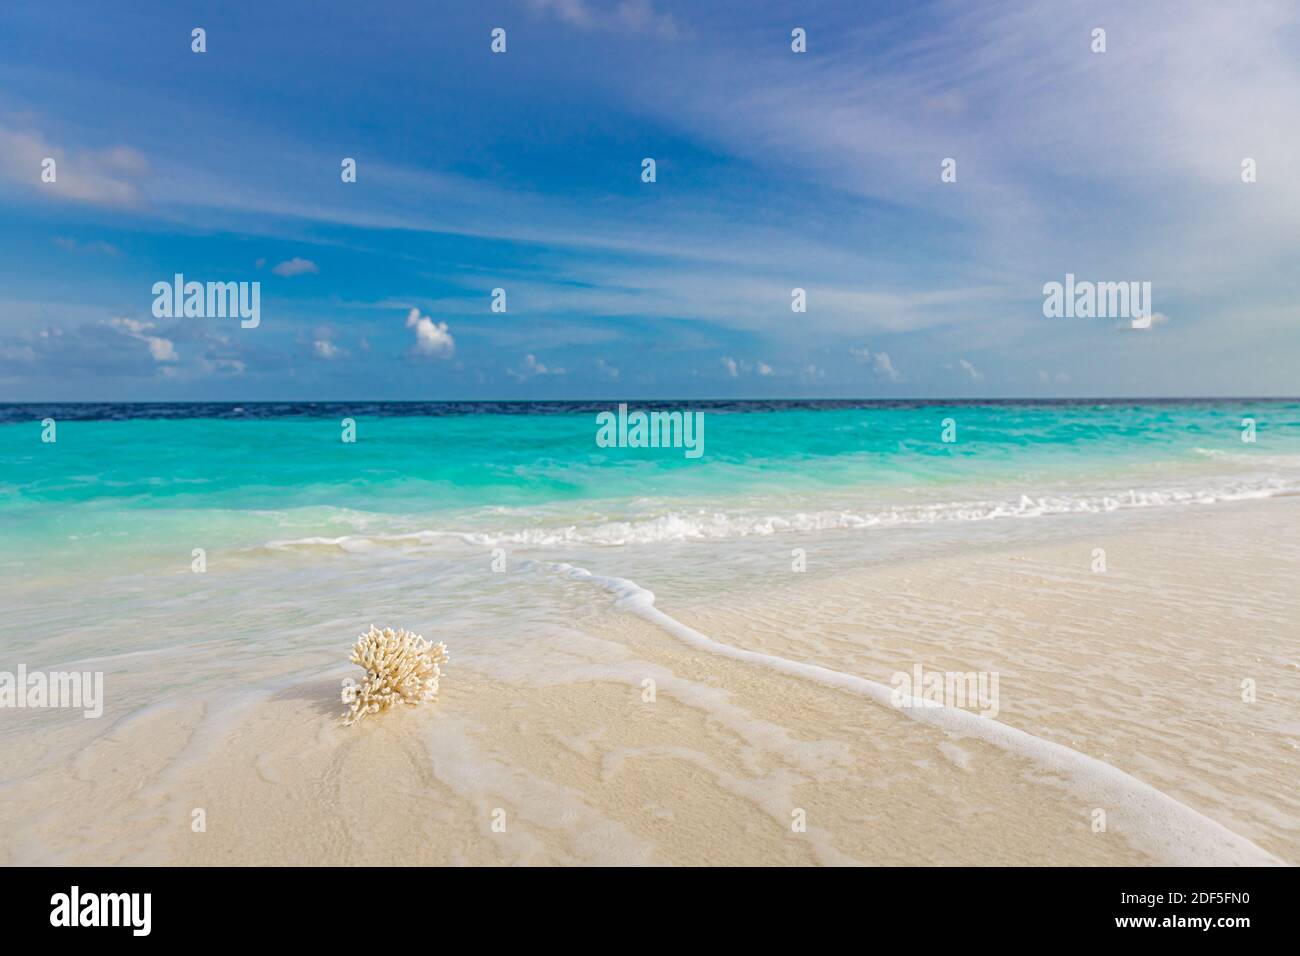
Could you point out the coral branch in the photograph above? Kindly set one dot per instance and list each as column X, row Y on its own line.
column 401, row 668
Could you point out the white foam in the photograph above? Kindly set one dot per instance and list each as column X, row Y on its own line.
column 1148, row 818
column 704, row 524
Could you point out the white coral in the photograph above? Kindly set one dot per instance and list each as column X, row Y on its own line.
column 401, row 668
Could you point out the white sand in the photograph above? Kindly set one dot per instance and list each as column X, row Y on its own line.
column 1137, row 670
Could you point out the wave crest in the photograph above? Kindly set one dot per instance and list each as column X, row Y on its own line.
column 705, row 524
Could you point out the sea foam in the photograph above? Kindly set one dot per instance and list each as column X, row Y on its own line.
column 705, row 524
column 1148, row 818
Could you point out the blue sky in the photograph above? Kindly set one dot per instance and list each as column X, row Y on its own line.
column 522, row 171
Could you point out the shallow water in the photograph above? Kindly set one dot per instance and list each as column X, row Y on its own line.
column 454, row 525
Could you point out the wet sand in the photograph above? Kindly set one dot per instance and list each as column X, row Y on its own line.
column 730, row 757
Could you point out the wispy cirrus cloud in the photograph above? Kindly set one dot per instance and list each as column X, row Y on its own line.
column 94, row 246
column 629, row 16
column 102, row 176
column 817, row 170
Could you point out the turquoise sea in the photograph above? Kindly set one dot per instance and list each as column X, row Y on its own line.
column 214, row 559
column 147, row 528
column 139, row 482
column 128, row 493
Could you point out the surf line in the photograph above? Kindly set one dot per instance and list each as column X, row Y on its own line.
column 1176, row 831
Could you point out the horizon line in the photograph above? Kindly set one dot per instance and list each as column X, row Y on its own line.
column 572, row 401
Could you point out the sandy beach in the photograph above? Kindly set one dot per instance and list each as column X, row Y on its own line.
column 1121, row 734
column 726, row 434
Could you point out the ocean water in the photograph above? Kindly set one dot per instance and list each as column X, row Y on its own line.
column 435, row 510
column 140, row 483
column 225, row 554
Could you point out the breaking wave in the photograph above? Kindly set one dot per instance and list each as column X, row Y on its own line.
column 703, row 524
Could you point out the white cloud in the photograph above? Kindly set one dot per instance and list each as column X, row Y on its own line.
column 884, row 367
column 988, row 89
column 532, row 367
column 93, row 176
column 737, row 367
column 296, row 267
column 975, row 374
column 627, row 16
column 431, row 338
column 131, row 326
column 327, row 350
column 103, row 248
column 219, row 365
column 161, row 349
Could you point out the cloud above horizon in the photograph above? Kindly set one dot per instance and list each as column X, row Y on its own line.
column 431, row 338
column 296, row 267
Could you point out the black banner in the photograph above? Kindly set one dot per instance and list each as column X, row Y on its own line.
column 405, row 907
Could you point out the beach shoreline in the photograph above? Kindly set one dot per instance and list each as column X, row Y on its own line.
column 722, row 759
